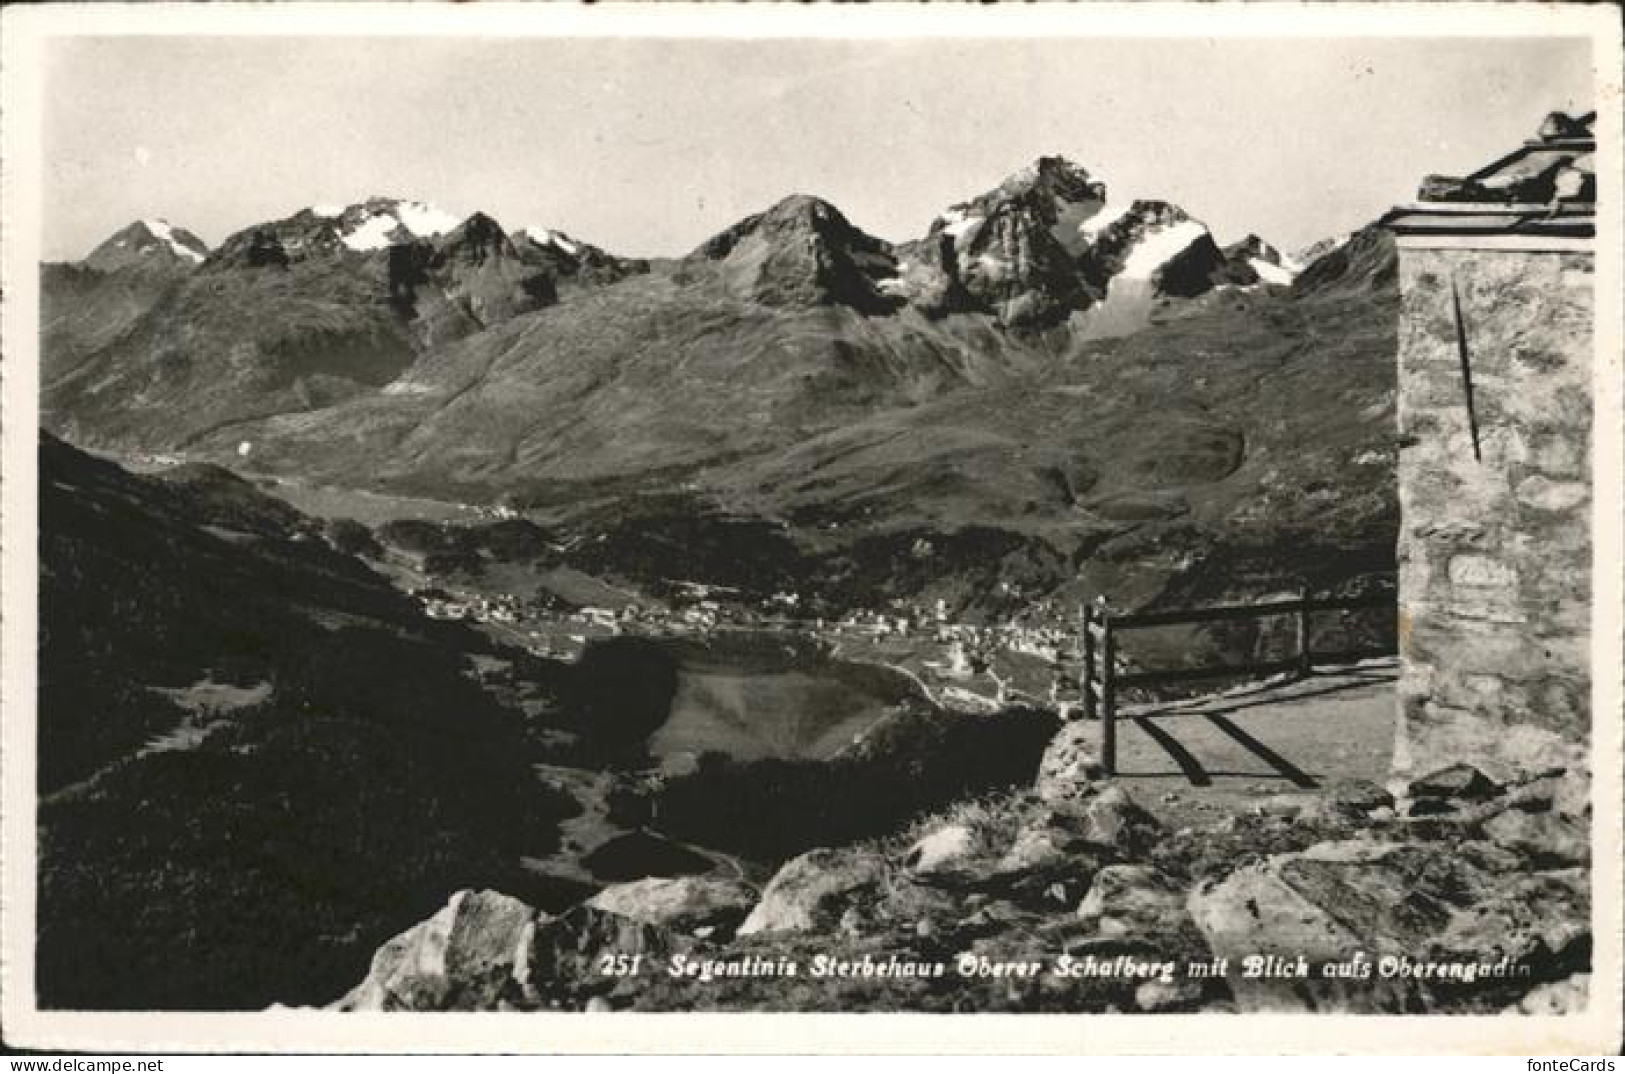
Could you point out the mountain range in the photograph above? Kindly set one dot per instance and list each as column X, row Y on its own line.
column 331, row 303
column 853, row 395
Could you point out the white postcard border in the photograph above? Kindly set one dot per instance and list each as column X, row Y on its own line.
column 25, row 32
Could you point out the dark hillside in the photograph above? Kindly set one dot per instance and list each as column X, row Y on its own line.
column 257, row 759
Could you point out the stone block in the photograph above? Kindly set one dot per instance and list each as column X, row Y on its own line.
column 1544, row 494
column 1482, row 571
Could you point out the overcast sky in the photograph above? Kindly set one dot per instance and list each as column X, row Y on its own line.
column 649, row 146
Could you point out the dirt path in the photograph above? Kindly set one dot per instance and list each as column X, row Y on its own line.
column 1189, row 761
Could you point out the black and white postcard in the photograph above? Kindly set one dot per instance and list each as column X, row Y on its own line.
column 1071, row 528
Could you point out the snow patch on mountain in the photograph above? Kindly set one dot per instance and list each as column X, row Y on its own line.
column 161, row 231
column 426, row 220
column 995, row 267
column 959, row 224
column 543, row 236
column 376, row 233
column 1073, row 220
column 1108, row 214
column 1160, row 246
column 1269, row 273
column 386, row 224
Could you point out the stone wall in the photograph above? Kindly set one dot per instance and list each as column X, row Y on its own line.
column 1495, row 555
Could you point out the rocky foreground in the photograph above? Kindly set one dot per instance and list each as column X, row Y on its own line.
column 1455, row 892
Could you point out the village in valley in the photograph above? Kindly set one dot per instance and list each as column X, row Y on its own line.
column 978, row 666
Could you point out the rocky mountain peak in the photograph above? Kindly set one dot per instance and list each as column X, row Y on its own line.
column 1011, row 251
column 1155, row 243
column 803, row 251
column 1048, row 243
column 1253, row 246
column 148, row 243
column 383, row 221
column 364, row 227
column 1057, row 177
column 1253, row 260
column 1052, row 193
column 799, row 216
column 805, row 210
column 1363, row 262
column 545, row 238
column 474, row 241
column 1318, row 249
column 572, row 259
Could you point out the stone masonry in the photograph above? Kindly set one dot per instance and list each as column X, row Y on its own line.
column 1495, row 547
column 1495, row 553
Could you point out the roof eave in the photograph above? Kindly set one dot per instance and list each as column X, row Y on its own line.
column 1506, row 242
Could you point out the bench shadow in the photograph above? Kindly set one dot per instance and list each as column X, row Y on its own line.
column 1189, row 766
column 1199, row 775
column 1287, row 769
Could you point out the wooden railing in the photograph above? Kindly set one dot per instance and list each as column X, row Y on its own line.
column 1099, row 640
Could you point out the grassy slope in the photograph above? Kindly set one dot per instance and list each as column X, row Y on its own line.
column 83, row 310
column 814, row 446
column 228, row 346
column 1228, row 452
column 654, row 375
column 267, row 861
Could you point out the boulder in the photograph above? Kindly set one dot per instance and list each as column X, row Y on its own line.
column 1132, row 900
column 983, row 921
column 566, row 956
column 1050, row 861
column 1457, row 781
column 1568, row 996
column 1430, row 807
column 1490, row 857
column 1326, row 903
column 813, row 891
column 682, row 904
column 1035, row 849
column 857, row 921
column 1545, row 840
column 1567, row 793
column 1159, row 996
column 1334, row 808
column 1112, row 820
column 1217, row 849
column 1285, row 805
column 471, row 955
column 1255, row 913
column 944, row 848
column 1357, row 797
column 1071, row 764
column 1541, row 921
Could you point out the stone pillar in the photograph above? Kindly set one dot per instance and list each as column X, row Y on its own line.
column 1494, row 550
